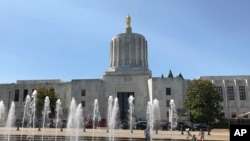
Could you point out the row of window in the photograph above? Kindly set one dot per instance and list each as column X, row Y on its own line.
column 25, row 93
column 83, row 93
column 17, row 92
column 230, row 92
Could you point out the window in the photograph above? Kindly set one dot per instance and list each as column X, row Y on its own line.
column 167, row 113
column 168, row 91
column 242, row 92
column 83, row 93
column 83, row 103
column 25, row 93
column 168, row 103
column 233, row 115
column 222, row 114
column 16, row 95
column 219, row 89
column 230, row 92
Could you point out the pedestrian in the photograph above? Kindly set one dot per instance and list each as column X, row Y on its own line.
column 188, row 133
column 193, row 138
column 147, row 134
column 201, row 135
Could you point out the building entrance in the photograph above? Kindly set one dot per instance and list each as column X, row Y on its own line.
column 123, row 104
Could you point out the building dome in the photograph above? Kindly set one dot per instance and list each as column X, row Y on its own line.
column 128, row 53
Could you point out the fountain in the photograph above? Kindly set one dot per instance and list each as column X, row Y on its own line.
column 10, row 120
column 112, row 117
column 2, row 112
column 46, row 112
column 96, row 118
column 110, row 106
column 71, row 119
column 32, row 114
column 74, row 121
column 79, row 120
column 96, row 114
column 58, row 114
column 156, row 114
column 150, row 120
column 153, row 115
column 172, row 116
column 131, row 112
column 26, row 112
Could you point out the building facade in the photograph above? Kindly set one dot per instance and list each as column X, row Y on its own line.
column 128, row 74
column 235, row 92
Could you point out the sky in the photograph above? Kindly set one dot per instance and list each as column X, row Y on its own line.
column 62, row 39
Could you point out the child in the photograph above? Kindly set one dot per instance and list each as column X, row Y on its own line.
column 193, row 138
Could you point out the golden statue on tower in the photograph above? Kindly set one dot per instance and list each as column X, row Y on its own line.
column 128, row 21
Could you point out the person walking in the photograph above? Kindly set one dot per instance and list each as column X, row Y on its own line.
column 201, row 135
column 193, row 138
column 188, row 133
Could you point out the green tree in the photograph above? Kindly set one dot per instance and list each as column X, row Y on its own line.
column 42, row 92
column 203, row 101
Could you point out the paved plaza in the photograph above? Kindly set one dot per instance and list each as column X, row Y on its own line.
column 215, row 135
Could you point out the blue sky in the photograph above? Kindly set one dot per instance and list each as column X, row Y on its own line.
column 62, row 39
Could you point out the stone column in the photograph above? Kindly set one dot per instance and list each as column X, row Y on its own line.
column 123, row 52
column 111, row 54
column 133, row 51
column 237, row 97
column 137, row 51
column 117, row 52
column 146, row 47
column 143, row 51
column 126, row 48
column 130, row 50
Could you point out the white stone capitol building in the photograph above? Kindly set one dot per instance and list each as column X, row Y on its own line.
column 128, row 74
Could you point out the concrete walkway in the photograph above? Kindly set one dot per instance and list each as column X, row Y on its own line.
column 215, row 135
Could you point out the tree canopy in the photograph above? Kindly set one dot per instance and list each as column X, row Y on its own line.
column 42, row 92
column 203, row 101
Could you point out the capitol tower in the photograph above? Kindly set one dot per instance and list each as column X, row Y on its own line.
column 128, row 53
